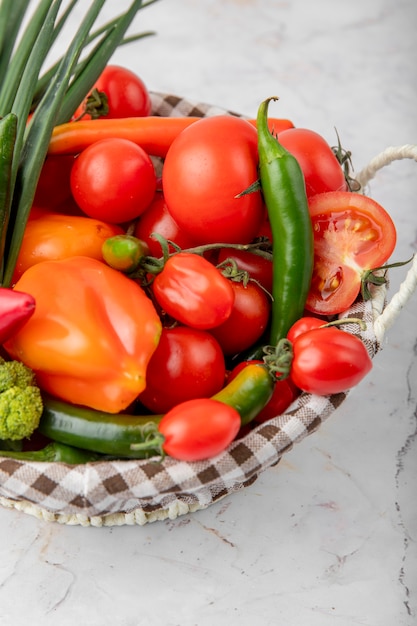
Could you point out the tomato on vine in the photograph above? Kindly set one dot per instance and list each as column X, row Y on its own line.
column 193, row 291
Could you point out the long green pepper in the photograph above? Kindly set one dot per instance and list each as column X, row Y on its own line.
column 283, row 189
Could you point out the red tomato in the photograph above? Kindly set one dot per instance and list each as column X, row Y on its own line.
column 199, row 429
column 247, row 321
column 207, row 166
column 187, row 363
column 303, row 325
column 322, row 171
column 127, row 94
column 352, row 234
column 258, row 267
column 113, row 180
column 53, row 186
column 157, row 219
column 194, row 292
column 328, row 360
column 285, row 392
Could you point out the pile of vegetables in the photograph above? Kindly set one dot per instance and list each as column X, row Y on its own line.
column 167, row 282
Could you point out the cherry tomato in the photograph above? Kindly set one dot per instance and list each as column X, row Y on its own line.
column 193, row 291
column 247, row 321
column 328, row 361
column 352, row 234
column 199, row 429
column 258, row 267
column 303, row 325
column 127, row 94
column 113, row 180
column 322, row 171
column 187, row 363
column 52, row 236
column 157, row 219
column 207, row 166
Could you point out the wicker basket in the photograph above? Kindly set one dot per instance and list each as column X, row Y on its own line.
column 108, row 493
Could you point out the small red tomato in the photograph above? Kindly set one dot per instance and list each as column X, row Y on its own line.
column 127, row 94
column 247, row 321
column 199, row 429
column 157, row 219
column 113, row 180
column 193, row 291
column 187, row 363
column 328, row 360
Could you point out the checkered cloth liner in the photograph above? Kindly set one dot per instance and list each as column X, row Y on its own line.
column 141, row 491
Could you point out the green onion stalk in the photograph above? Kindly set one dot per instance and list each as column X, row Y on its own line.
column 34, row 100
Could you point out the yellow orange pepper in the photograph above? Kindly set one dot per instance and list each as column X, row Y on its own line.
column 54, row 236
column 92, row 334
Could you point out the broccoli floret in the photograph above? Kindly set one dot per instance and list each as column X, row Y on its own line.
column 21, row 403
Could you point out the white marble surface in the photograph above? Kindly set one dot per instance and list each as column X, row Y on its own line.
column 328, row 537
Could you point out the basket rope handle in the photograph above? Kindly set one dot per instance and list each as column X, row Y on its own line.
column 385, row 317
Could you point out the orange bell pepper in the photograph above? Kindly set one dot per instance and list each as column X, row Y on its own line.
column 92, row 334
column 53, row 236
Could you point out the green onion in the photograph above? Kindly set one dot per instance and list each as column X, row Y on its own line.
column 54, row 95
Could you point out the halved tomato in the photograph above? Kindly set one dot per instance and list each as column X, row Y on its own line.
column 352, row 234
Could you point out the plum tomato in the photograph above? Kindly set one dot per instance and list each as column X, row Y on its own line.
column 193, row 291
column 187, row 363
column 206, row 168
column 328, row 360
column 352, row 234
column 113, row 180
column 199, row 429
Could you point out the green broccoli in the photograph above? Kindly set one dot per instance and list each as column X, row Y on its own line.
column 21, row 403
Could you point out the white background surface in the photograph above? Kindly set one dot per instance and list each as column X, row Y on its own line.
column 327, row 537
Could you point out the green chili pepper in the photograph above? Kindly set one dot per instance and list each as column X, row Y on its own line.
column 249, row 391
column 98, row 431
column 53, row 452
column 283, row 188
column 113, row 434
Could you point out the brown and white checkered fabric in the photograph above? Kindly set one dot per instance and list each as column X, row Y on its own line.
column 149, row 486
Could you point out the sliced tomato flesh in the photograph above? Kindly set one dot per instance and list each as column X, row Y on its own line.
column 352, row 234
